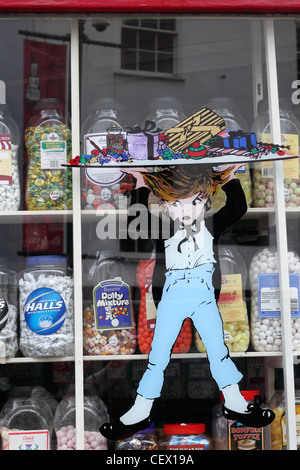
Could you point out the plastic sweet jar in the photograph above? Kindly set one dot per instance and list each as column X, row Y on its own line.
column 109, row 326
column 9, row 167
column 234, row 121
column 263, row 173
column 102, row 139
column 165, row 112
column 185, row 436
column 266, row 334
column 26, row 424
column 8, row 311
column 231, row 435
column 46, row 307
column 232, row 303
column 278, row 425
column 95, row 414
column 142, row 440
column 48, row 145
column 147, row 312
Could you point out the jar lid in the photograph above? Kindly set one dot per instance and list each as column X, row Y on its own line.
column 247, row 394
column 46, row 259
column 150, row 429
column 165, row 102
column 184, row 428
column 48, row 103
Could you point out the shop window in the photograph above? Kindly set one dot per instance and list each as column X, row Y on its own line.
column 148, row 45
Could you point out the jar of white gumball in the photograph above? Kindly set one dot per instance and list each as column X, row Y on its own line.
column 46, row 307
column 266, row 334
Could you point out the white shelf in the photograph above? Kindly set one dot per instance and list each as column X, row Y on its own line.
column 138, row 357
column 25, row 217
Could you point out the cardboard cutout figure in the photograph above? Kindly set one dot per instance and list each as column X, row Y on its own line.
column 193, row 277
column 192, row 272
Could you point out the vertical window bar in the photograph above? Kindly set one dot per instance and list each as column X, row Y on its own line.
column 77, row 257
column 288, row 363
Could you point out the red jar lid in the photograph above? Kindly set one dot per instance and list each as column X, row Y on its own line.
column 184, row 428
column 247, row 394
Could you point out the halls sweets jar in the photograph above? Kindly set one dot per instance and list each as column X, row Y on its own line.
column 46, row 307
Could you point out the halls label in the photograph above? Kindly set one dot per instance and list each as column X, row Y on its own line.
column 44, row 311
column 112, row 305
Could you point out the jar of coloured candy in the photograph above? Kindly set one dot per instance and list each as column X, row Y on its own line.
column 142, row 440
column 263, row 183
column 185, row 436
column 227, row 109
column 108, row 317
column 102, row 137
column 278, row 426
column 147, row 312
column 48, row 144
column 232, row 301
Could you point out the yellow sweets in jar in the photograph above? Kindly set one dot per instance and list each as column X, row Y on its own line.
column 236, row 335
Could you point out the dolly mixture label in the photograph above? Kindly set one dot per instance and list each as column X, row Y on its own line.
column 112, row 304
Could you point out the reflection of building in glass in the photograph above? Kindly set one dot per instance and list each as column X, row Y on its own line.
column 148, row 45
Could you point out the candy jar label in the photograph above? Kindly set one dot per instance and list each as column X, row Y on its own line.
column 269, row 295
column 112, row 304
column 5, row 160
column 3, row 313
column 44, row 311
column 28, row 440
column 53, row 154
column 245, row 438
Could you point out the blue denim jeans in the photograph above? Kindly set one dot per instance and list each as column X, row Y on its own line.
column 188, row 293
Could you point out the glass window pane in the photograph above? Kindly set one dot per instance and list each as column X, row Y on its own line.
column 129, row 38
column 168, row 24
column 147, row 40
column 146, row 61
column 164, row 63
column 149, row 23
column 165, row 41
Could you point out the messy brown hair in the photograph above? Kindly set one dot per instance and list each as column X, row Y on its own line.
column 179, row 182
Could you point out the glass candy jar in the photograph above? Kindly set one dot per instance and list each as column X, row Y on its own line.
column 266, row 334
column 46, row 307
column 95, row 414
column 48, row 144
column 232, row 302
column 26, row 424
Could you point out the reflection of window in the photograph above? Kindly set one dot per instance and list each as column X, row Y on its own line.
column 148, row 45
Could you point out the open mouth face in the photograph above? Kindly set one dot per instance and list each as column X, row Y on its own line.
column 186, row 210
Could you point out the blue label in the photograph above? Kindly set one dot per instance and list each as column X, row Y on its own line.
column 44, row 311
column 269, row 295
column 112, row 305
